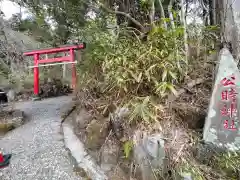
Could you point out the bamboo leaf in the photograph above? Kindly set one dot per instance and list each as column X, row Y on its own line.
column 139, row 77
column 148, row 76
column 173, row 75
column 164, row 75
column 127, row 147
column 172, row 89
column 146, row 100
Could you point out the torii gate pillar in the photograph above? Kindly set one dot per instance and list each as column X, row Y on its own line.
column 74, row 73
column 61, row 60
column 36, row 74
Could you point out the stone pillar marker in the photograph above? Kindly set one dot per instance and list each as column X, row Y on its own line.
column 222, row 124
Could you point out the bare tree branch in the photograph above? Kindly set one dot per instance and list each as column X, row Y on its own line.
column 126, row 15
column 203, row 5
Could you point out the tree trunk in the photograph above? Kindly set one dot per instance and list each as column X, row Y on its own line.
column 227, row 16
column 212, row 12
column 170, row 13
column 152, row 13
column 186, row 10
column 185, row 30
column 162, row 13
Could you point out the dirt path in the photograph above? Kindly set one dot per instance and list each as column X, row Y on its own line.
column 37, row 147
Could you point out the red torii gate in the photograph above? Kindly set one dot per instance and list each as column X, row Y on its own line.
column 62, row 60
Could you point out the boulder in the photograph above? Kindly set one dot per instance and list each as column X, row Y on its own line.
column 11, row 95
column 18, row 118
column 109, row 155
column 96, row 133
column 117, row 121
column 83, row 118
column 149, row 154
column 10, row 119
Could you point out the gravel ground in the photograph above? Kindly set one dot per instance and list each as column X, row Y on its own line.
column 38, row 147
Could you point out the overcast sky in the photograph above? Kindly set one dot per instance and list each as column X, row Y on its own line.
column 9, row 8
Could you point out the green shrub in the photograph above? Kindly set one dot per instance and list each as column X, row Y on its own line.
column 152, row 67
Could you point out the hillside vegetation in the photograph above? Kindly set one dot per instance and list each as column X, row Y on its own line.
column 13, row 64
column 143, row 56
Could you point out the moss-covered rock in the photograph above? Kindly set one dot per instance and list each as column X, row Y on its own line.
column 10, row 120
column 6, row 126
column 96, row 133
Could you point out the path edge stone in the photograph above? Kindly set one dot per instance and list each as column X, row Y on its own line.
column 78, row 151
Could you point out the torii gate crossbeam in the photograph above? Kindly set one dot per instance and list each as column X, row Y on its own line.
column 60, row 60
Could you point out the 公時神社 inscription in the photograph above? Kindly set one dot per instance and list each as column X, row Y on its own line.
column 222, row 122
column 229, row 95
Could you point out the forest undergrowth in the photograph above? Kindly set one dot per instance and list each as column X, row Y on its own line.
column 164, row 91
